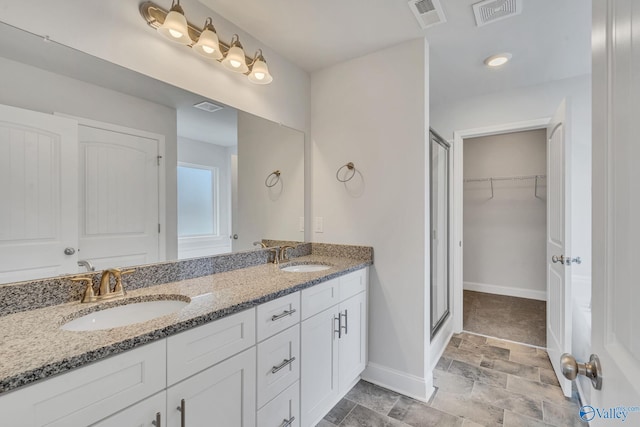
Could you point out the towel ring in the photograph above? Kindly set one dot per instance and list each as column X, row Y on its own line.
column 350, row 166
column 269, row 181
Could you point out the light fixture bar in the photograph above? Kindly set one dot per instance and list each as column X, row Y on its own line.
column 155, row 16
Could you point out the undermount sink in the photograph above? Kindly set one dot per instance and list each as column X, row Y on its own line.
column 124, row 315
column 305, row 268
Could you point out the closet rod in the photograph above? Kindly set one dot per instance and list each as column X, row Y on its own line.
column 510, row 178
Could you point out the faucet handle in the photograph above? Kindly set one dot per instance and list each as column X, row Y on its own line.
column 89, row 294
column 118, row 288
column 283, row 252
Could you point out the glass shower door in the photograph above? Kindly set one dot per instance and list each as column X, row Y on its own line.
column 439, row 201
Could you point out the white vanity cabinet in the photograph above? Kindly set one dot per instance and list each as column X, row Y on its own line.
column 333, row 342
column 142, row 414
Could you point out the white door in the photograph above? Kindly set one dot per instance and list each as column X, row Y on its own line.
column 558, row 243
column 38, row 194
column 223, row 395
column 119, row 212
column 615, row 334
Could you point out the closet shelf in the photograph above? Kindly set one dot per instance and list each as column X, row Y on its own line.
column 536, row 178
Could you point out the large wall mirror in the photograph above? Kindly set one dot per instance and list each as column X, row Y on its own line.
column 102, row 166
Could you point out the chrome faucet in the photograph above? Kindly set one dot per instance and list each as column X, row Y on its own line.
column 283, row 252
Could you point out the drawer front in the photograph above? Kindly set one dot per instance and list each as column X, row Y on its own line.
column 139, row 415
column 277, row 315
column 194, row 350
column 353, row 283
column 320, row 297
column 278, row 364
column 88, row 394
column 283, row 409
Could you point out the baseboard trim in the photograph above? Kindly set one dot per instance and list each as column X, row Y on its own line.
column 505, row 290
column 401, row 382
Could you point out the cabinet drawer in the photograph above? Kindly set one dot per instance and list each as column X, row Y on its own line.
column 278, row 364
column 139, row 415
column 88, row 394
column 320, row 297
column 284, row 408
column 277, row 315
column 192, row 351
column 353, row 283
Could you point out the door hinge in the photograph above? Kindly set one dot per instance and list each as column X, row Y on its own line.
column 158, row 228
column 159, row 157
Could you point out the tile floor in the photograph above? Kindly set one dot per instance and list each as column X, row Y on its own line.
column 516, row 319
column 479, row 382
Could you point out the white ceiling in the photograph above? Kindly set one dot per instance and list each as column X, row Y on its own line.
column 550, row 40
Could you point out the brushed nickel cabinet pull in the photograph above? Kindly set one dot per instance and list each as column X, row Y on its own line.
column 283, row 314
column 339, row 330
column 345, row 327
column 183, row 412
column 287, row 423
column 284, row 363
column 158, row 421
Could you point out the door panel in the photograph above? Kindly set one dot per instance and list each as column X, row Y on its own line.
column 616, row 205
column 118, row 198
column 558, row 243
column 38, row 213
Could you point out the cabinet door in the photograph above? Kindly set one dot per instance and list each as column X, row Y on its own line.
column 319, row 373
column 223, row 395
column 282, row 410
column 141, row 414
column 352, row 347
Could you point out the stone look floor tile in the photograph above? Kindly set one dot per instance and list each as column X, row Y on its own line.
column 540, row 360
column 562, row 416
column 476, row 339
column 547, row 376
column 361, row 417
column 452, row 383
column 476, row 373
column 373, row 397
column 325, row 423
column 469, row 423
column 443, row 363
column 463, row 355
column 504, row 399
column 486, row 350
column 417, row 414
column 513, row 368
column 340, row 411
column 545, row 392
column 513, row 346
column 511, row 419
column 461, row 406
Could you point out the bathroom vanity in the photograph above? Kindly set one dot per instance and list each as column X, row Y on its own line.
column 255, row 346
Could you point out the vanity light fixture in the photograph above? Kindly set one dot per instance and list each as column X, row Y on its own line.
column 208, row 44
column 173, row 25
column 259, row 70
column 497, row 60
column 235, row 59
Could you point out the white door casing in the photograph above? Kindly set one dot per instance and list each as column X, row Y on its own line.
column 38, row 190
column 559, row 307
column 615, row 336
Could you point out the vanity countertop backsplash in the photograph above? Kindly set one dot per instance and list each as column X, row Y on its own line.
column 33, row 347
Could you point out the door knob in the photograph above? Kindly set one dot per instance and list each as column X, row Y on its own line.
column 555, row 259
column 591, row 369
column 69, row 251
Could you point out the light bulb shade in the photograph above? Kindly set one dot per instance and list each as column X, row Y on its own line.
column 208, row 44
column 235, row 59
column 260, row 72
column 175, row 26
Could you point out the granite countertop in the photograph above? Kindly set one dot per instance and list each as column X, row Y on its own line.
column 32, row 347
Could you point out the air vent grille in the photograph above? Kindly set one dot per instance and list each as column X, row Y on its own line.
column 490, row 11
column 427, row 12
column 209, row 107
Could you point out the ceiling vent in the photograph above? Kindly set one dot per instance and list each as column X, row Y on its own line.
column 490, row 11
column 427, row 12
column 209, row 107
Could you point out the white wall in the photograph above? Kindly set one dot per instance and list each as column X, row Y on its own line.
column 206, row 154
column 505, row 236
column 373, row 112
column 275, row 212
column 39, row 90
column 536, row 102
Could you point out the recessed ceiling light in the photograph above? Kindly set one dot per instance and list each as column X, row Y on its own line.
column 497, row 60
